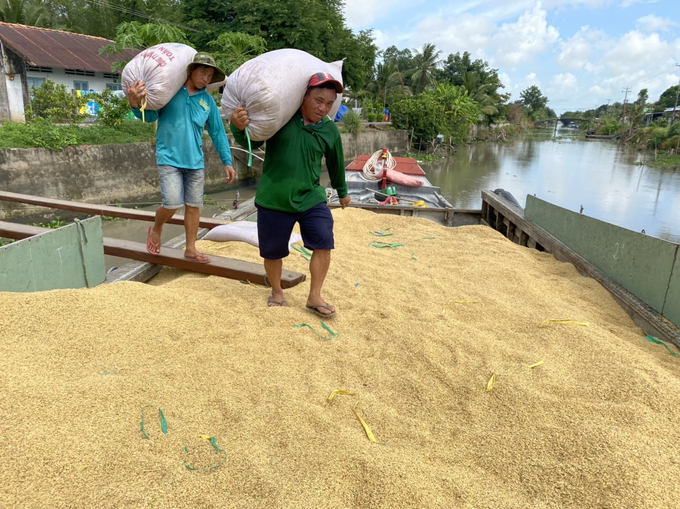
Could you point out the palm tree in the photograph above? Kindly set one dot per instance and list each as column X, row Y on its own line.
column 480, row 93
column 388, row 82
column 25, row 12
column 425, row 62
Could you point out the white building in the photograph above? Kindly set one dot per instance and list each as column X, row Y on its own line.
column 30, row 55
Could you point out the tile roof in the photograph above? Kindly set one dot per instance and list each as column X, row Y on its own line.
column 44, row 47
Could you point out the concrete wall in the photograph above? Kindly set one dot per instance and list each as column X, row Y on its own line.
column 127, row 173
column 12, row 86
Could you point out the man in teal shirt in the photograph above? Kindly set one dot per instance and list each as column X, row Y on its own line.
column 290, row 191
column 179, row 153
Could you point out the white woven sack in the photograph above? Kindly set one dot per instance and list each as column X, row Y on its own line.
column 243, row 231
column 271, row 87
column 163, row 68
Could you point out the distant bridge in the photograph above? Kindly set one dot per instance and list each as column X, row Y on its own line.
column 565, row 120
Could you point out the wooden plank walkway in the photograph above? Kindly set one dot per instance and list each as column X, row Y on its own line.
column 220, row 266
column 100, row 210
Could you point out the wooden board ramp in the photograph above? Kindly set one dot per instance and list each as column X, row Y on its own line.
column 100, row 210
column 220, row 266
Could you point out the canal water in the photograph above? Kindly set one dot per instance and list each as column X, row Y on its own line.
column 611, row 182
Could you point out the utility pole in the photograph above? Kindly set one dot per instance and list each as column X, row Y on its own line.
column 625, row 91
column 676, row 101
column 677, row 145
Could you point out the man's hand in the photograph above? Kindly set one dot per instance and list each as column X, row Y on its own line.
column 345, row 201
column 240, row 118
column 135, row 93
column 230, row 174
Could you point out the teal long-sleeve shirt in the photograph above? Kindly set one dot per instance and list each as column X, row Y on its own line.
column 291, row 171
column 179, row 138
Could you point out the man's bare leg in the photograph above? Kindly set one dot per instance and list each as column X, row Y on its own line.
column 162, row 215
column 274, row 268
column 192, row 216
column 318, row 268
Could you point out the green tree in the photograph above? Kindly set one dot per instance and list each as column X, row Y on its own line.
column 481, row 81
column 233, row 49
column 134, row 35
column 209, row 19
column 54, row 103
column 315, row 26
column 112, row 109
column 643, row 96
column 387, row 84
column 668, row 98
column 101, row 18
column 445, row 110
column 425, row 63
column 481, row 93
column 533, row 100
column 25, row 12
column 460, row 111
column 456, row 66
column 359, row 53
column 423, row 116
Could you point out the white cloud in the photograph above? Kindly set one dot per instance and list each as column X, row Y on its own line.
column 634, row 52
column 361, row 14
column 467, row 33
column 506, row 80
column 527, row 81
column 576, row 51
column 523, row 40
column 564, row 84
column 635, row 48
column 653, row 23
column 629, row 3
column 384, row 40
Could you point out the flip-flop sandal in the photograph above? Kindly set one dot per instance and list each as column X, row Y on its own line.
column 199, row 258
column 315, row 310
column 152, row 247
column 275, row 303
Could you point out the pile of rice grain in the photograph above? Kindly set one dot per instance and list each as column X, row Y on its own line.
column 422, row 326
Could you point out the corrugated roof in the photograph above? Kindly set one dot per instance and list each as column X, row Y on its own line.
column 44, row 47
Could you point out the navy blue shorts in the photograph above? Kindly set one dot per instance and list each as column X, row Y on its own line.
column 275, row 227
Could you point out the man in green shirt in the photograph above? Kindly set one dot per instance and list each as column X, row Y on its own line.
column 290, row 191
column 179, row 153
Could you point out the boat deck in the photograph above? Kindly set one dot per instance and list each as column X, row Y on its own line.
column 366, row 194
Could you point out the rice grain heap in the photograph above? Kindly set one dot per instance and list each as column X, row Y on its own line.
column 577, row 415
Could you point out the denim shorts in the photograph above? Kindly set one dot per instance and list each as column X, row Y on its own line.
column 274, row 229
column 180, row 186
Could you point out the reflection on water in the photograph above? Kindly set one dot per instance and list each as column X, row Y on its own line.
column 609, row 181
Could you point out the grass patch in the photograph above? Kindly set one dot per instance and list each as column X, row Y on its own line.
column 57, row 222
column 663, row 162
column 57, row 137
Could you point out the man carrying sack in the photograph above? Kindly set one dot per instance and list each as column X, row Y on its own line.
column 290, row 190
column 179, row 153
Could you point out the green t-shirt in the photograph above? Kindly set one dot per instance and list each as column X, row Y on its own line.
column 292, row 164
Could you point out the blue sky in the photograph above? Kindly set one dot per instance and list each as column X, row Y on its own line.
column 580, row 53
